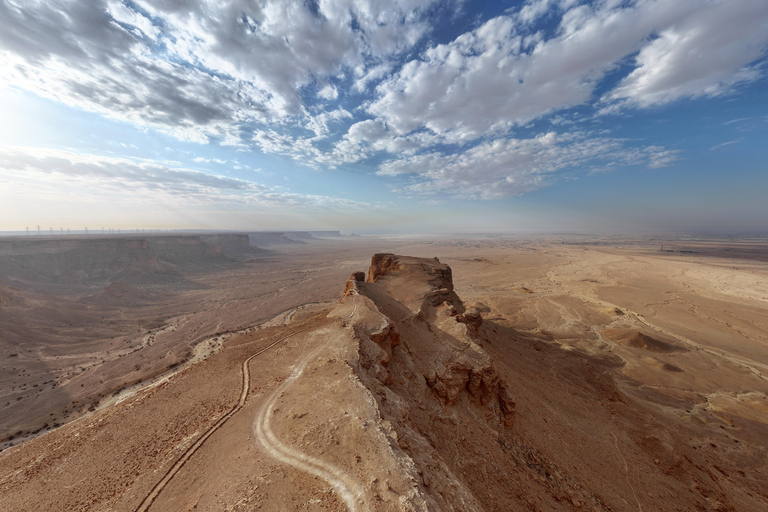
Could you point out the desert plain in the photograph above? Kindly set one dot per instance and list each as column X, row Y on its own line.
column 300, row 371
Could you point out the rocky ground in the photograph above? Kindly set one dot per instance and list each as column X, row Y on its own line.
column 506, row 375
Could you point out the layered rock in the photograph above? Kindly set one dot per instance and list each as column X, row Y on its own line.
column 350, row 288
column 420, row 357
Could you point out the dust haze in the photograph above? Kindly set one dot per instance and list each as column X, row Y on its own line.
column 313, row 371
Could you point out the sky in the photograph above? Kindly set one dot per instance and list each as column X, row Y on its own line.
column 373, row 116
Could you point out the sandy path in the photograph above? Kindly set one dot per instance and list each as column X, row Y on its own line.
column 347, row 489
column 246, row 383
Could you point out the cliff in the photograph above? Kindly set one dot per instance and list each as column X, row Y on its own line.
column 462, row 414
column 232, row 244
column 100, row 261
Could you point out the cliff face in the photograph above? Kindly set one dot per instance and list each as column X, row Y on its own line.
column 106, row 260
column 232, row 244
column 420, row 357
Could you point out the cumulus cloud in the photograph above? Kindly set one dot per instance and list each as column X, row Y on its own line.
column 703, row 54
column 196, row 69
column 335, row 82
column 505, row 167
column 504, row 74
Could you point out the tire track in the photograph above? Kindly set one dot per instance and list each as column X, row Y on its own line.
column 246, row 383
column 346, row 488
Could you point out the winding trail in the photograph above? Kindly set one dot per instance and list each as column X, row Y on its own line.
column 347, row 489
column 345, row 486
column 246, row 383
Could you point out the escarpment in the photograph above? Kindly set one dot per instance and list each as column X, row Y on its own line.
column 420, row 357
column 455, row 364
column 479, row 416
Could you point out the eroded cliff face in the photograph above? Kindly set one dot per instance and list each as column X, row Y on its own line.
column 155, row 259
column 421, row 358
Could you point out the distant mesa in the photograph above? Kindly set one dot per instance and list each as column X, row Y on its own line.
column 134, row 261
column 232, row 244
column 327, row 234
column 268, row 238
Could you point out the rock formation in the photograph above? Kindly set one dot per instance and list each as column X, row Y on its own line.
column 420, row 357
column 232, row 244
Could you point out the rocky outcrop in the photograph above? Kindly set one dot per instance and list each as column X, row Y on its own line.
column 458, row 366
column 420, row 355
column 351, row 287
column 381, row 265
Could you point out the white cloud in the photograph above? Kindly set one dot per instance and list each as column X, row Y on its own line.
column 91, row 178
column 271, row 75
column 369, row 75
column 501, row 75
column 298, row 148
column 319, row 124
column 202, row 159
column 161, row 64
column 505, row 167
column 328, row 92
column 369, row 130
column 725, row 144
column 704, row 54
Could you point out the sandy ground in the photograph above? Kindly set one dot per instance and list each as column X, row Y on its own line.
column 275, row 417
column 63, row 355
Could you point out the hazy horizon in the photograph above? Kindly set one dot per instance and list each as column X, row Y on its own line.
column 540, row 116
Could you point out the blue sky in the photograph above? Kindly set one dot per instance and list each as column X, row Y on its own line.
column 373, row 116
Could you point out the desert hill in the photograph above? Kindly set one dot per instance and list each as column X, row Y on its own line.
column 400, row 398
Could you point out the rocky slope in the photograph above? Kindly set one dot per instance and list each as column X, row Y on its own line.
column 480, row 417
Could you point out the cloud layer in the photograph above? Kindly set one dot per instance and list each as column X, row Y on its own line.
column 37, row 173
column 338, row 82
